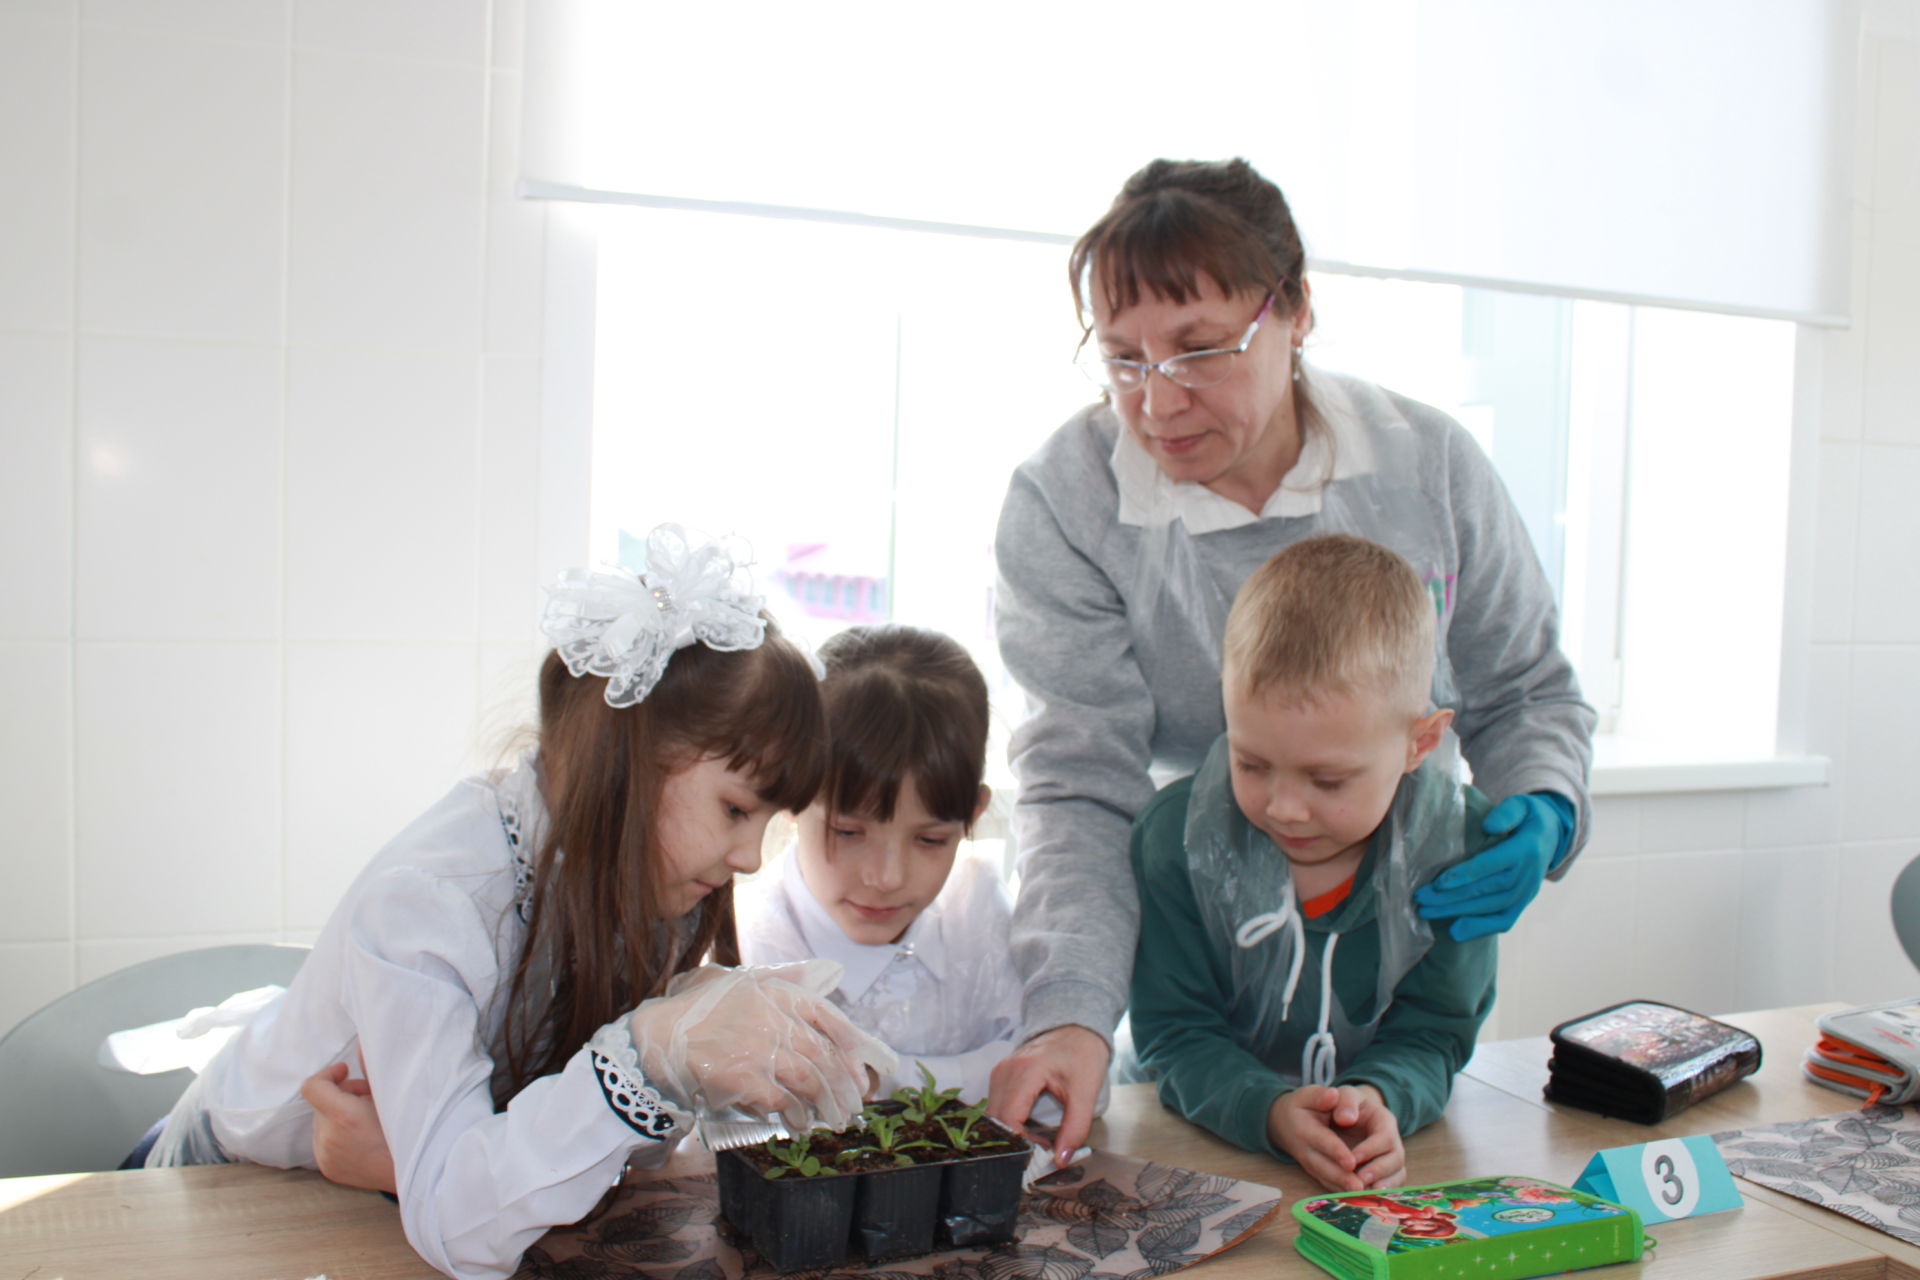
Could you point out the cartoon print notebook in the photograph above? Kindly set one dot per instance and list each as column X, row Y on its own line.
column 1499, row 1228
column 1645, row 1061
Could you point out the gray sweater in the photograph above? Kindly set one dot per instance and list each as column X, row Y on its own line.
column 1110, row 613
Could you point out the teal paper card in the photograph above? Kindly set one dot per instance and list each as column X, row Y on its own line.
column 1663, row 1180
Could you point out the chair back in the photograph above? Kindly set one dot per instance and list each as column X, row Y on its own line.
column 60, row 1110
column 1906, row 910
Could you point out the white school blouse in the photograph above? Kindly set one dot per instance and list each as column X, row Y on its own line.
column 411, row 971
column 946, row 994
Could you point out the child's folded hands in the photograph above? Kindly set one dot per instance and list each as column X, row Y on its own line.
column 1342, row 1135
column 764, row 1040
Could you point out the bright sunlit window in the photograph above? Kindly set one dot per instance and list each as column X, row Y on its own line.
column 852, row 401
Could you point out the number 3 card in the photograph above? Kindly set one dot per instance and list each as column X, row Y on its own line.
column 1664, row 1180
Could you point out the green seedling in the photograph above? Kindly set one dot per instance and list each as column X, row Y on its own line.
column 796, row 1158
column 925, row 1102
column 958, row 1126
column 886, row 1133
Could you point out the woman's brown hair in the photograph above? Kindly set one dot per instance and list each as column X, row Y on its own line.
column 597, row 944
column 903, row 703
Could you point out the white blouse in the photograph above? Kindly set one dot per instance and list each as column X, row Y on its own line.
column 411, row 971
column 947, row 994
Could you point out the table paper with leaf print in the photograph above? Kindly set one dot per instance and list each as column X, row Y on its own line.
column 1108, row 1217
column 1865, row 1164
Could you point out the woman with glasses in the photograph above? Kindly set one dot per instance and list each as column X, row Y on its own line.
column 1124, row 538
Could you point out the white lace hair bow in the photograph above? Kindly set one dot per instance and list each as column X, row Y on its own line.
column 625, row 625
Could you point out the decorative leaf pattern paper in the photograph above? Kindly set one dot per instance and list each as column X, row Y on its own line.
column 1860, row 1163
column 1107, row 1218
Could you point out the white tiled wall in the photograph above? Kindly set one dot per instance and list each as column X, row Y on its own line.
column 1736, row 901
column 270, row 349
column 271, row 328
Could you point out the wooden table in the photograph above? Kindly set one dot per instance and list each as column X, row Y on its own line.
column 252, row 1223
column 1778, row 1091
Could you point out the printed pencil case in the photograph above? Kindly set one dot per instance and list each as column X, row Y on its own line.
column 1646, row 1061
column 1498, row 1228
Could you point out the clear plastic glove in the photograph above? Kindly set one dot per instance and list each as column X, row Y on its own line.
column 763, row 1040
column 1488, row 891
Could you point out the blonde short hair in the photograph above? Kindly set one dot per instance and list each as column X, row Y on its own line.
column 1333, row 615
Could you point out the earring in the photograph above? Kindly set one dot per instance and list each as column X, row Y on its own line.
column 1298, row 352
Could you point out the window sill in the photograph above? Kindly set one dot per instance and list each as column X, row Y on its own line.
column 1629, row 767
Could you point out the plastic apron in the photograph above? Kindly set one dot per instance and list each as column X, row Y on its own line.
column 1284, row 1010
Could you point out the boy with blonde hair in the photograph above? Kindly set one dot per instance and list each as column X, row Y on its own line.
column 1286, row 994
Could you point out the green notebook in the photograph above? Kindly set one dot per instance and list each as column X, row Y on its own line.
column 1490, row 1228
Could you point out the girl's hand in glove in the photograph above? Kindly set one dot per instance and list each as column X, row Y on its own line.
column 764, row 1040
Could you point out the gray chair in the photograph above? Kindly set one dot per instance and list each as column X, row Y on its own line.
column 1906, row 910
column 60, row 1110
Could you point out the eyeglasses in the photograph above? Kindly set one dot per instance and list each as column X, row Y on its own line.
column 1194, row 370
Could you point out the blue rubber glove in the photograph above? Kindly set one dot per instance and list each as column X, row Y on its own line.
column 1486, row 893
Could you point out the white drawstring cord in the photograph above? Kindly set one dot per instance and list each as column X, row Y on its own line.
column 1258, row 929
column 1320, row 1059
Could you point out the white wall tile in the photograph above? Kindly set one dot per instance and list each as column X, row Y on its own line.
column 1883, row 754
column 381, row 495
column 97, row 959
column 36, row 791
column 32, row 976
column 1896, row 123
column 376, row 734
column 36, row 482
column 386, row 216
column 1899, row 19
column 182, row 194
column 1835, row 533
column 37, row 115
column 433, row 30
column 1786, row 914
column 1690, row 820
column 1890, row 400
column 254, row 21
column 516, row 234
column 1843, row 352
column 1688, row 925
column 1886, row 605
column 1572, row 950
column 1615, row 827
column 178, row 789
column 179, row 491
column 509, row 34
column 1786, row 816
column 1868, row 963
column 509, row 704
column 509, row 499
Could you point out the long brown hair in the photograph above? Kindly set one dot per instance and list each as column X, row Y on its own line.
column 595, row 931
column 903, row 702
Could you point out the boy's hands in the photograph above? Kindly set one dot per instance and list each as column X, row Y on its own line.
column 1342, row 1135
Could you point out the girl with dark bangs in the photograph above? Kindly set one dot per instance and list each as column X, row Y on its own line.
column 523, row 974
column 873, row 880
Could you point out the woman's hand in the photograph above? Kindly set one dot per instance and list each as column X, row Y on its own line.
column 765, row 1040
column 348, row 1143
column 1342, row 1135
column 1069, row 1062
column 1486, row 893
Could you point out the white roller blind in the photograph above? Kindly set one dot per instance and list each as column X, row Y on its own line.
column 1685, row 152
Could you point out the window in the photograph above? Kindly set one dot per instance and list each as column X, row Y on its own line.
column 852, row 401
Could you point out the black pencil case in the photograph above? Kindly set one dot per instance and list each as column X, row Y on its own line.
column 1645, row 1061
